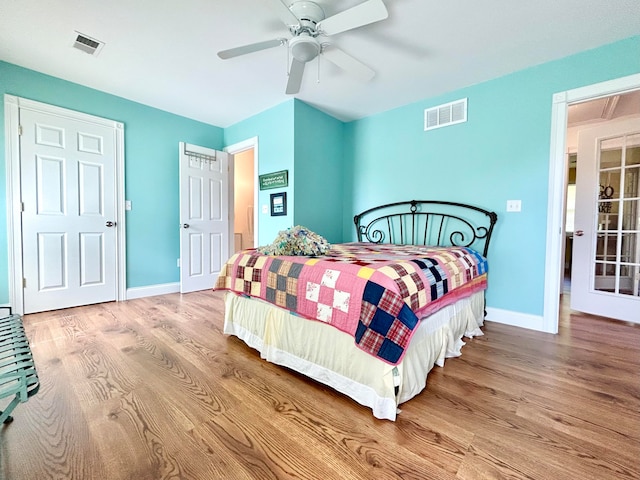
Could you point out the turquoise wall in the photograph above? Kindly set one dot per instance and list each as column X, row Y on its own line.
column 275, row 131
column 151, row 169
column 319, row 166
column 309, row 144
column 501, row 153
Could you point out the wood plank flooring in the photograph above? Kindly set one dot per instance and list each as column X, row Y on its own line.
column 152, row 389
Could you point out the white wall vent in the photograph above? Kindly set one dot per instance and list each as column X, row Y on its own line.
column 446, row 114
column 87, row 44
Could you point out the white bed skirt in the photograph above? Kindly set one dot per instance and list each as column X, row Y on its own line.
column 329, row 356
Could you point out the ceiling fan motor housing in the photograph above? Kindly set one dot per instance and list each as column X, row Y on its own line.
column 309, row 14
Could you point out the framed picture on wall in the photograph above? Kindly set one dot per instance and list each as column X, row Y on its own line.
column 278, row 204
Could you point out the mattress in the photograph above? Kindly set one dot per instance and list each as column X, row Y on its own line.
column 330, row 356
column 377, row 293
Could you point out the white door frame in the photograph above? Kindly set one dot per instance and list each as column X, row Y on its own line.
column 557, row 186
column 232, row 150
column 12, row 105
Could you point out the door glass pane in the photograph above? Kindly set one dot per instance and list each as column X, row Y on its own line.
column 630, row 215
column 630, row 252
column 607, row 221
column 605, row 277
column 633, row 149
column 610, row 184
column 606, row 247
column 632, row 182
column 610, row 153
column 599, row 269
column 625, row 280
column 630, row 269
column 605, row 208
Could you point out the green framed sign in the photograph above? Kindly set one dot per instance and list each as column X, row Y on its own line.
column 274, row 180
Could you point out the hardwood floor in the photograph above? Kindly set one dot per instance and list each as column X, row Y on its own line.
column 152, row 389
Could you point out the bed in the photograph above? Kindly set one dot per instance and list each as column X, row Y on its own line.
column 369, row 318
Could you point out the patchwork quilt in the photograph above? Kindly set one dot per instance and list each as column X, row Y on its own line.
column 375, row 292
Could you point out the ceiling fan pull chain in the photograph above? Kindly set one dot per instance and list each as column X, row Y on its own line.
column 288, row 61
column 318, row 79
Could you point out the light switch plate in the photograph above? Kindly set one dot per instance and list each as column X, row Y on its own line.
column 514, row 205
column 127, row 204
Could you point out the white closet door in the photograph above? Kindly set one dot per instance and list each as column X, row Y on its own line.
column 204, row 216
column 68, row 189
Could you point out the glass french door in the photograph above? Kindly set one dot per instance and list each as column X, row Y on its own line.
column 616, row 259
column 606, row 262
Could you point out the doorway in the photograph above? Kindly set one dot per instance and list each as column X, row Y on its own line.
column 581, row 117
column 243, row 194
column 558, row 173
column 243, row 200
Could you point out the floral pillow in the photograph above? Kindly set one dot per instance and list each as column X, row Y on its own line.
column 297, row 240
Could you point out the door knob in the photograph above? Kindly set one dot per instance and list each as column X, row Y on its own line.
column 110, row 224
column 185, row 225
column 579, row 233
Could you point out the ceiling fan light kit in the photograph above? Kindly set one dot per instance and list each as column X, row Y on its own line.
column 306, row 21
column 304, row 48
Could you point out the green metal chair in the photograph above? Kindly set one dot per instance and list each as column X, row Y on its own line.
column 18, row 376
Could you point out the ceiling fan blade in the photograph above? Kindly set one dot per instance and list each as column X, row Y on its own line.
column 252, row 47
column 348, row 63
column 282, row 11
column 295, row 77
column 368, row 12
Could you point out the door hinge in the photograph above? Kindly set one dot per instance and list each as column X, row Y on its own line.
column 19, row 130
column 24, row 283
column 22, row 206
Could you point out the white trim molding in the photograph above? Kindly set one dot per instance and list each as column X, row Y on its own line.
column 517, row 319
column 557, row 184
column 12, row 106
column 14, row 232
column 250, row 143
column 153, row 290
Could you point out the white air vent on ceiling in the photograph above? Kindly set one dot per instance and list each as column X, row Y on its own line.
column 446, row 114
column 87, row 44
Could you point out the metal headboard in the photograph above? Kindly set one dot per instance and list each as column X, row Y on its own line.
column 427, row 222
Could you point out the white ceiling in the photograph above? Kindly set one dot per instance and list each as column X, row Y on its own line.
column 604, row 109
column 163, row 53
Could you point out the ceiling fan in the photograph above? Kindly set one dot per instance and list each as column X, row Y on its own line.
column 306, row 22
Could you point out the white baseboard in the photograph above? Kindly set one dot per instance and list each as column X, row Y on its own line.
column 152, row 290
column 517, row 319
column 498, row 315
